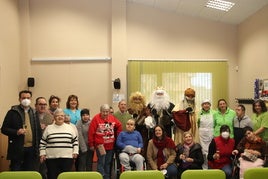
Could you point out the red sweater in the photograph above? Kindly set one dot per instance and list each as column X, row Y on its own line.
column 104, row 131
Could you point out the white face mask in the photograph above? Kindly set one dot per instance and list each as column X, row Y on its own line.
column 225, row 135
column 25, row 102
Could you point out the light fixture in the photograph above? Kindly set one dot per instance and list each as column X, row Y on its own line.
column 220, row 5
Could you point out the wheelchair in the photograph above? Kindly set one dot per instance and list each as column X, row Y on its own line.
column 118, row 168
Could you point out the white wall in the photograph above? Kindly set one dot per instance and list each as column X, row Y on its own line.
column 9, row 55
column 9, row 65
column 72, row 29
column 252, row 52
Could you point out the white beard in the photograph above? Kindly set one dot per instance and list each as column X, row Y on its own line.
column 159, row 104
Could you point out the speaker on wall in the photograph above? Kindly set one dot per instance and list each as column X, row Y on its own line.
column 117, row 83
column 30, row 82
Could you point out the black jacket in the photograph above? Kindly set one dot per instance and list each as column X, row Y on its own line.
column 13, row 121
column 195, row 153
column 165, row 119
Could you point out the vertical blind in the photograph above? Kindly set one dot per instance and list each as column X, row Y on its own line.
column 208, row 78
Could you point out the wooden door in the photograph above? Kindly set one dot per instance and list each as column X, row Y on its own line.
column 4, row 163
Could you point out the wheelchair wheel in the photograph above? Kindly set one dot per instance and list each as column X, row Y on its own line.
column 116, row 166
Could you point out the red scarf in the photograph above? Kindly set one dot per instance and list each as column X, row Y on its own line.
column 161, row 145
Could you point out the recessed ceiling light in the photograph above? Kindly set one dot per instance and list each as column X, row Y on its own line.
column 220, row 5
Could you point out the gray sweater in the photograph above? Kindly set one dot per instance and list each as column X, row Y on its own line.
column 82, row 128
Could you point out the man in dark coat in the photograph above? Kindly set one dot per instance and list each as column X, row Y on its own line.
column 24, row 133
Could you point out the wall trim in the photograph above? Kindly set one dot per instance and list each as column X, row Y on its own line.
column 177, row 59
column 69, row 59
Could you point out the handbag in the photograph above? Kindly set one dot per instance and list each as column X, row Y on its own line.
column 249, row 156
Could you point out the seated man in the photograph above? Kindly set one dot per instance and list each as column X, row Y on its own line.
column 130, row 144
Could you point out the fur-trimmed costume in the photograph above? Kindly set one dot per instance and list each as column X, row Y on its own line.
column 161, row 110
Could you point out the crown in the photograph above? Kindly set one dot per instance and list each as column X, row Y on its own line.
column 160, row 89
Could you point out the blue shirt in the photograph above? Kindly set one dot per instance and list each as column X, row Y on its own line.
column 74, row 116
column 129, row 138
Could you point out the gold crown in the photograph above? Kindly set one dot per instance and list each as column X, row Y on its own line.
column 160, row 89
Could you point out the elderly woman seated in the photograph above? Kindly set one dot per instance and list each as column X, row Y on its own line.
column 252, row 151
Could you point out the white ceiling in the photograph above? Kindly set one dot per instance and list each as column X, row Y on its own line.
column 196, row 8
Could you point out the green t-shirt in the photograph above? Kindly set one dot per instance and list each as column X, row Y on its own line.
column 224, row 119
column 261, row 121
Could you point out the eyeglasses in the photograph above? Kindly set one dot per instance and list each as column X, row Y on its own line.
column 42, row 104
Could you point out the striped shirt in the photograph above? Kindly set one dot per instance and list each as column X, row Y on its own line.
column 59, row 141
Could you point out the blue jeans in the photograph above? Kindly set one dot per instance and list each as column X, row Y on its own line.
column 104, row 163
column 227, row 170
column 172, row 171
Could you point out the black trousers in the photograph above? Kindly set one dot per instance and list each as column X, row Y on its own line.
column 28, row 163
column 57, row 166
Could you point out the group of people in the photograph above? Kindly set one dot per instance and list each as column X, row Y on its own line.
column 47, row 138
column 171, row 138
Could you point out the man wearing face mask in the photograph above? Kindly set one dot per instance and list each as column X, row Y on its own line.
column 24, row 133
column 220, row 151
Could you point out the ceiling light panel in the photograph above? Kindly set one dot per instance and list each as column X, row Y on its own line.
column 220, row 5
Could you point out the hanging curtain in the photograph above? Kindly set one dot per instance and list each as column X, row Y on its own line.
column 208, row 78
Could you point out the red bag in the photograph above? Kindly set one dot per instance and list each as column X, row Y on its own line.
column 182, row 120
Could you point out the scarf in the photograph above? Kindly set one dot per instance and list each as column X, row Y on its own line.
column 186, row 149
column 161, row 145
column 186, row 152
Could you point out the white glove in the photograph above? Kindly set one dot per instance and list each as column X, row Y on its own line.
column 149, row 122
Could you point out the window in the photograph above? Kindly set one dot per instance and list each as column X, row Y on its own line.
column 207, row 78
